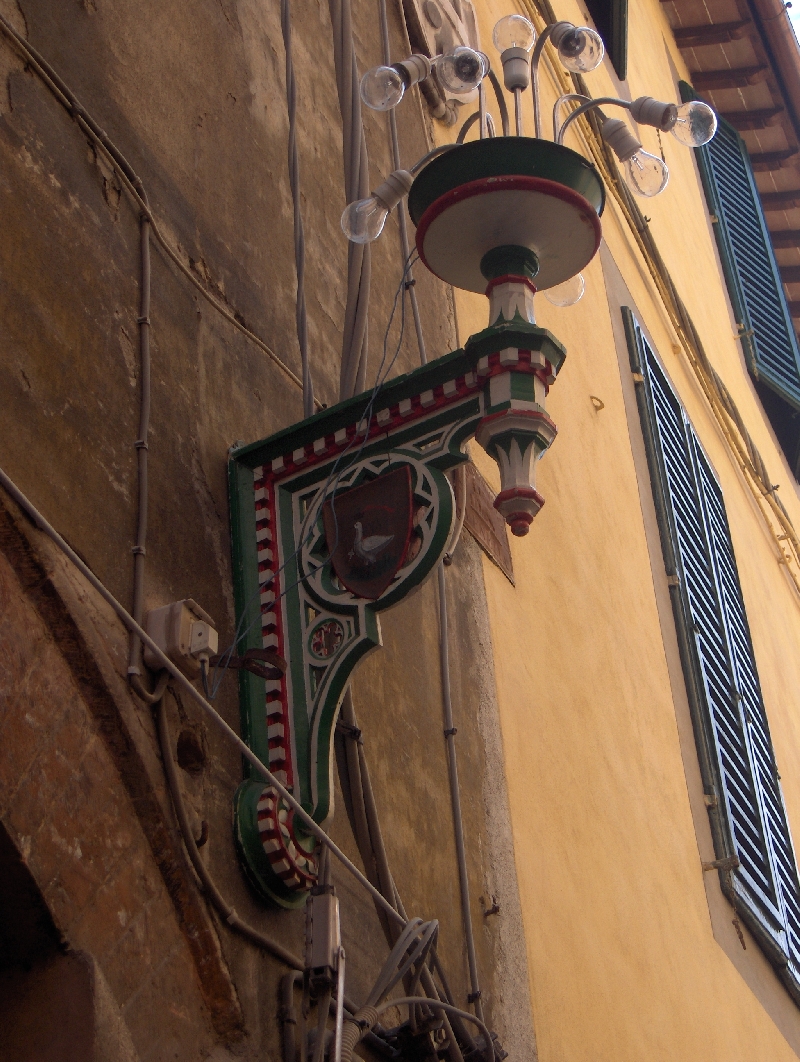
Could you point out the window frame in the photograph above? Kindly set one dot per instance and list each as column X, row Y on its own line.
column 769, row 362
column 764, row 889
column 614, row 31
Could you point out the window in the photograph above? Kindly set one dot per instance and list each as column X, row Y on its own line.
column 611, row 22
column 737, row 762
column 754, row 282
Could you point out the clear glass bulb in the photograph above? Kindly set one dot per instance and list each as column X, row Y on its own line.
column 646, row 174
column 363, row 221
column 461, row 70
column 513, row 31
column 581, row 50
column 568, row 293
column 382, row 88
column 695, row 125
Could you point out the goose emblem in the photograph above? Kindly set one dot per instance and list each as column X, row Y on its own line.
column 368, row 529
column 367, row 549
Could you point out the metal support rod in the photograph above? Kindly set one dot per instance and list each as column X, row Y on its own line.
column 455, row 796
column 518, row 110
column 537, row 54
column 587, row 107
column 482, row 109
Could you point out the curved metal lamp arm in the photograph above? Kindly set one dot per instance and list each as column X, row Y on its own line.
column 465, row 128
column 587, row 107
column 501, row 103
column 537, row 54
column 566, row 98
column 431, row 155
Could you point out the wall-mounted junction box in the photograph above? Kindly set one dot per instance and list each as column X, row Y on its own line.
column 184, row 632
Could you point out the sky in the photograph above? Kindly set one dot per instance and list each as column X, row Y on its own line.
column 794, row 17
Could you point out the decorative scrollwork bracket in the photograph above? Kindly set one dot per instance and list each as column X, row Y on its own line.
column 340, row 517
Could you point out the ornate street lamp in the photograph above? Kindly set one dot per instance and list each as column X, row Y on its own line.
column 341, row 516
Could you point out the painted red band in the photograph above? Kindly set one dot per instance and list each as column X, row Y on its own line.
column 486, row 185
column 509, row 278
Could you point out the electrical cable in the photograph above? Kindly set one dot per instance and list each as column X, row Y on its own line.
column 319, row 499
column 141, row 446
column 184, row 683
column 501, row 101
column 455, row 795
column 356, row 184
column 489, row 1054
column 301, row 319
column 460, row 494
column 227, row 912
column 369, row 839
column 401, row 210
column 410, row 950
column 723, row 407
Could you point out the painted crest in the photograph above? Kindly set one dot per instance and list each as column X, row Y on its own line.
column 368, row 530
column 339, row 518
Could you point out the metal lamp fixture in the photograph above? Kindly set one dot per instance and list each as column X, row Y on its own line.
column 459, row 71
column 580, row 49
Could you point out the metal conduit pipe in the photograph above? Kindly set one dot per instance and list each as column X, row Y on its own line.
column 455, row 796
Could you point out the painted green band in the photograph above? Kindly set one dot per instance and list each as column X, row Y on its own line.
column 509, row 260
column 501, row 157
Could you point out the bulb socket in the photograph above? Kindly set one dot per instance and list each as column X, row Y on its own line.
column 620, row 139
column 396, row 185
column 516, row 68
column 413, row 70
column 648, row 111
column 559, row 32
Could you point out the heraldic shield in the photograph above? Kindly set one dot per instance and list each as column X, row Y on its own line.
column 368, row 530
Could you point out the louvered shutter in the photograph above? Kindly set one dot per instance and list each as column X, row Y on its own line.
column 611, row 22
column 748, row 259
column 722, row 679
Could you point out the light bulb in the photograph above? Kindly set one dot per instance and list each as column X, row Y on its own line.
column 513, row 31
column 382, row 88
column 695, row 125
column 568, row 293
column 581, row 50
column 363, row 221
column 461, row 70
column 646, row 174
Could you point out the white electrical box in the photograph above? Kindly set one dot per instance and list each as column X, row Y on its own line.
column 185, row 633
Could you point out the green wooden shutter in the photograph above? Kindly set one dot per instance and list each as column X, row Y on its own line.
column 611, row 21
column 721, row 675
column 748, row 260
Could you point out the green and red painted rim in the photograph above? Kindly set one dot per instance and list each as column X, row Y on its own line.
column 510, row 190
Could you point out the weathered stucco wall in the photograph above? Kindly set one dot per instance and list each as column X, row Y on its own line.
column 195, row 99
column 567, row 685
column 631, row 947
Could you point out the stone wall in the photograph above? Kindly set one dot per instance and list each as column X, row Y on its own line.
column 194, row 97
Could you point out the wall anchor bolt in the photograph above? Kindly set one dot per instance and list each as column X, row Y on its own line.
column 728, row 863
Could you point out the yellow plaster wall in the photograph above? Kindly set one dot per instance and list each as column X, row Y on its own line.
column 630, row 945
